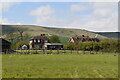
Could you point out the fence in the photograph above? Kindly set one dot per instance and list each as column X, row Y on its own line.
column 7, row 51
column 46, row 51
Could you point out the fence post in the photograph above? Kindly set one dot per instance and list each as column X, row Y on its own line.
column 21, row 51
column 57, row 51
column 16, row 51
column 96, row 52
column 29, row 51
column 84, row 51
column 43, row 51
column 71, row 51
column 90, row 51
column 51, row 51
column 8, row 51
column 36, row 51
column 77, row 51
column 64, row 50
column 26, row 51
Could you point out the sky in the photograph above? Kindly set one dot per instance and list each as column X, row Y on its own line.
column 92, row 16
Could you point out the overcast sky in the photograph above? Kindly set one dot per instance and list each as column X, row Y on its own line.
column 92, row 16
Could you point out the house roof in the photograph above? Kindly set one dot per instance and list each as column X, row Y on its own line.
column 4, row 42
column 84, row 38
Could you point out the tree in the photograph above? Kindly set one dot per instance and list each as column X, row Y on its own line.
column 96, row 46
column 114, row 45
column 20, row 31
column 54, row 39
column 20, row 44
column 79, row 46
column 65, row 46
column 104, row 45
column 12, row 37
column 70, row 45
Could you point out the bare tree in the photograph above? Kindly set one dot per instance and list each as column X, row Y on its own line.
column 20, row 31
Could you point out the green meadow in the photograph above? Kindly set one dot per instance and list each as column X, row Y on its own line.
column 60, row 65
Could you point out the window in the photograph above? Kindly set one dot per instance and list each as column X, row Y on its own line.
column 38, row 40
column 34, row 40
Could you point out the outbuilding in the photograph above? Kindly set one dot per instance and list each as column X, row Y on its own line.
column 53, row 46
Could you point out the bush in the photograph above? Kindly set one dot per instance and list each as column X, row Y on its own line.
column 54, row 39
column 70, row 45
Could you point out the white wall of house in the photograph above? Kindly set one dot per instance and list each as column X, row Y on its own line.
column 72, row 40
column 30, row 44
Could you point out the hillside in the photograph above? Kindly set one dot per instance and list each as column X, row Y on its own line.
column 113, row 35
column 37, row 30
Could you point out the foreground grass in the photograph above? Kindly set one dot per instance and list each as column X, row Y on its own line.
column 60, row 66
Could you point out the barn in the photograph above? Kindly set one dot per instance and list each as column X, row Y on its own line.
column 4, row 45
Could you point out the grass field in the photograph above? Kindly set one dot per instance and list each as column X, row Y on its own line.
column 60, row 66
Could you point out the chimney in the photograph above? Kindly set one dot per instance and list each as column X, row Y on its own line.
column 83, row 35
column 41, row 34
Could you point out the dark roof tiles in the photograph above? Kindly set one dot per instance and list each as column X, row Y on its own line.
column 78, row 38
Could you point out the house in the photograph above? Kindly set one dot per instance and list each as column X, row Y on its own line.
column 37, row 42
column 4, row 45
column 82, row 38
column 53, row 46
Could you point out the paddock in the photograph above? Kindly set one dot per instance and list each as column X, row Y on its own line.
column 60, row 65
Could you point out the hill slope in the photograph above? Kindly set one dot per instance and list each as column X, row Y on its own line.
column 113, row 35
column 37, row 30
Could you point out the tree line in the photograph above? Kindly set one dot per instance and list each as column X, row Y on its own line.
column 103, row 45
